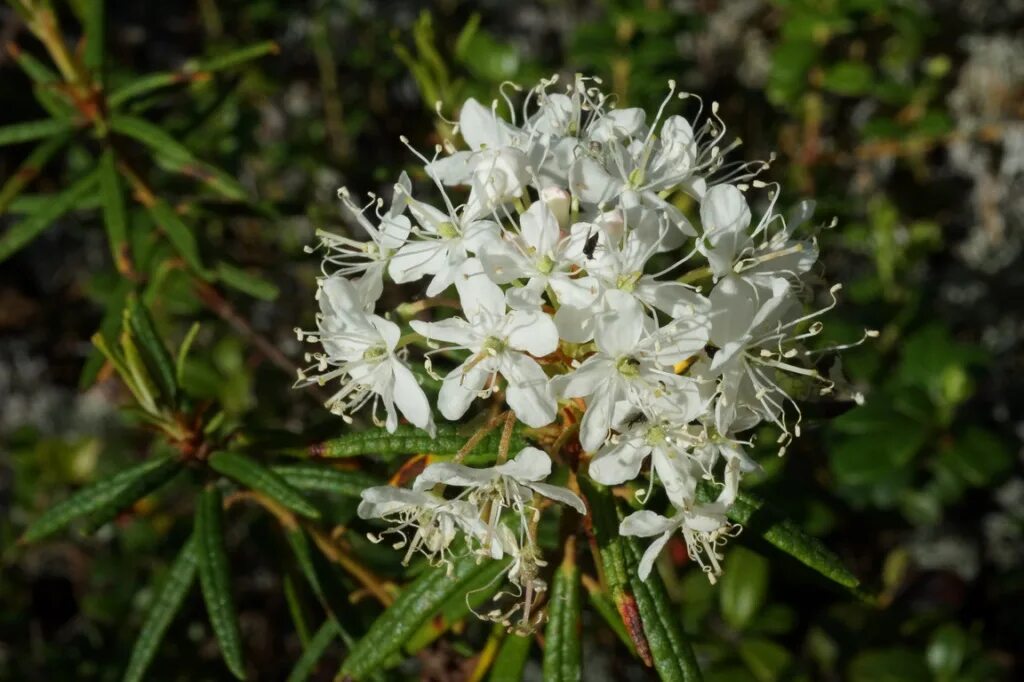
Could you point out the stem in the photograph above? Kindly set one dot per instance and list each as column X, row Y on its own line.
column 479, row 436
column 506, row 437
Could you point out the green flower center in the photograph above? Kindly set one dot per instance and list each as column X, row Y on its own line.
column 628, row 367
column 448, row 230
column 493, row 345
column 656, row 435
column 545, row 265
column 628, row 282
column 375, row 354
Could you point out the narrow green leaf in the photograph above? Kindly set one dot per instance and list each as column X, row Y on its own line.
column 254, row 475
column 186, row 345
column 36, row 70
column 215, row 580
column 33, row 130
column 604, row 607
column 166, row 603
column 113, row 210
column 758, row 516
column 743, row 587
column 20, row 234
column 155, row 356
column 420, row 600
column 321, row 575
column 146, row 392
column 253, row 285
column 670, row 649
column 235, row 57
column 95, row 37
column 105, row 497
column 562, row 651
column 408, row 440
column 511, row 659
column 178, row 233
column 173, row 156
column 324, row 479
column 30, row 168
column 306, row 665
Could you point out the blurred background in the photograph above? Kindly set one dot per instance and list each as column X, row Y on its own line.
column 904, row 119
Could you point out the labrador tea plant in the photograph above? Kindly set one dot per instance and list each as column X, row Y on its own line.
column 612, row 309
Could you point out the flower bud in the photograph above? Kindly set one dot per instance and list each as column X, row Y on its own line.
column 558, row 201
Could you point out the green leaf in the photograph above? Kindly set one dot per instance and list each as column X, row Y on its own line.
column 95, row 37
column 420, row 600
column 848, row 78
column 104, row 498
column 113, row 210
column 321, row 575
column 255, row 286
column 306, row 665
column 511, row 659
column 234, row 57
column 757, row 516
column 767, row 660
column 898, row 664
column 947, row 651
column 743, row 587
column 408, row 439
column 604, row 607
column 670, row 649
column 30, row 168
column 20, row 234
column 156, row 357
column 33, row 130
column 562, row 642
column 178, row 233
column 183, row 349
column 487, row 58
column 215, row 580
column 254, row 475
column 325, row 479
column 978, row 457
column 39, row 72
column 175, row 157
column 166, row 603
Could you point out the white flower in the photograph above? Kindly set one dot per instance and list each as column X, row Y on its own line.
column 630, row 365
column 434, row 521
column 359, row 349
column 501, row 342
column 539, row 255
column 369, row 260
column 705, row 529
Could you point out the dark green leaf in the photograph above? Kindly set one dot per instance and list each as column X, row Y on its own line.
column 178, row 233
column 247, row 283
column 33, row 130
column 408, row 439
column 757, row 516
column 978, row 457
column 947, row 651
column 898, row 664
column 215, row 580
column 418, row 601
column 39, row 73
column 235, row 57
column 744, row 586
column 20, row 234
column 254, row 475
column 767, row 660
column 848, row 78
column 30, row 168
column 95, row 37
column 325, row 479
column 306, row 665
column 104, row 498
column 562, row 650
column 166, row 603
column 156, row 357
column 113, row 210
column 511, row 659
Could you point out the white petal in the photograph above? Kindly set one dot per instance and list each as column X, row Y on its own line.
column 530, row 464
column 592, row 184
column 480, row 233
column 459, row 389
column 619, row 329
column 450, row 473
column 388, row 331
column 584, row 380
column 528, row 393
column 539, row 228
column 503, row 262
column 452, row 170
column 643, row 569
column 478, row 294
column 679, row 484
column 597, row 420
column 411, row 400
column 416, row 259
column 575, row 325
column 615, row 464
column 645, row 523
column 531, row 331
column 482, row 127
column 560, row 494
column 452, row 330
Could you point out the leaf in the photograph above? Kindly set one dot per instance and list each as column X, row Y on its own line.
column 176, row 157
column 604, row 607
column 743, row 588
column 978, row 457
column 114, row 218
column 306, row 665
column 95, row 38
column 166, row 603
column 33, row 130
column 215, row 581
column 947, row 651
column 255, row 286
column 183, row 349
column 30, row 168
column 178, row 233
column 511, row 659
column 758, row 516
column 848, row 78
column 105, row 497
column 20, row 234
column 156, row 357
column 254, row 475
column 767, row 660
column 235, row 57
column 420, row 600
column 37, row 71
column 408, row 439
column 670, row 649
column 897, row 664
column 327, row 480
column 320, row 574
column 562, row 644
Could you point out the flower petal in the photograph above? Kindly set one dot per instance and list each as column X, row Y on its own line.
column 531, row 331
column 528, row 393
column 410, row 398
column 615, row 464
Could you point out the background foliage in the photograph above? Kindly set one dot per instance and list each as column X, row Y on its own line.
column 179, row 161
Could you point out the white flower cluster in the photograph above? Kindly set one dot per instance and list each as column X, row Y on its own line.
column 568, row 257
